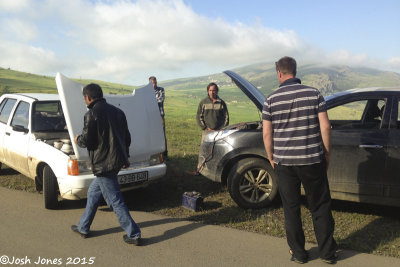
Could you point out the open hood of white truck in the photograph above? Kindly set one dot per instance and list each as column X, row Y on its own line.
column 141, row 110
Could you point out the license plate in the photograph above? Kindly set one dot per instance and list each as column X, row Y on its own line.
column 133, row 177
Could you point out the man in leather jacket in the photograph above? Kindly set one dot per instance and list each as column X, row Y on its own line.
column 106, row 136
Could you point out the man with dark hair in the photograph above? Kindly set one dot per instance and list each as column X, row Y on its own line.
column 93, row 90
column 296, row 133
column 106, row 136
column 160, row 96
column 212, row 113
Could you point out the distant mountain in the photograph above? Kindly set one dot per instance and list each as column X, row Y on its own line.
column 328, row 79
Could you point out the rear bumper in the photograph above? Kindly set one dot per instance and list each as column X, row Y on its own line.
column 76, row 187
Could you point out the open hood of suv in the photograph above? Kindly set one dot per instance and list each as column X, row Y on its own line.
column 141, row 110
column 250, row 90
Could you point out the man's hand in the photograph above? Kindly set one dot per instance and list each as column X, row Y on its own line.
column 271, row 161
column 76, row 139
column 126, row 165
column 325, row 127
column 268, row 141
column 327, row 159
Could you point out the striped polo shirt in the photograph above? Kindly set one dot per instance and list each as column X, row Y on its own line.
column 293, row 110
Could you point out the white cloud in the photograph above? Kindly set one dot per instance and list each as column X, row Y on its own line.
column 18, row 29
column 144, row 36
column 344, row 57
column 126, row 41
column 168, row 35
column 394, row 63
column 27, row 58
column 13, row 5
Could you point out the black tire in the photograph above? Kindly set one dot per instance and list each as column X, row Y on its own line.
column 252, row 183
column 50, row 188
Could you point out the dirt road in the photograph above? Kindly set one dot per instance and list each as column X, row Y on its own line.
column 30, row 234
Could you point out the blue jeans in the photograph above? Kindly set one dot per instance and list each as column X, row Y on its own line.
column 107, row 187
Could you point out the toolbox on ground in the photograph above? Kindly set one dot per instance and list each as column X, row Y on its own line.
column 192, row 200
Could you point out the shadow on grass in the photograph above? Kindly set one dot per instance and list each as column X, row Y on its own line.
column 379, row 235
column 5, row 170
column 233, row 215
column 380, row 232
column 366, row 209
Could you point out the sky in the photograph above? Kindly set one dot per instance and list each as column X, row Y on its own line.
column 126, row 41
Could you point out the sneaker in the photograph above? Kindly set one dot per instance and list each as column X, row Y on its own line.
column 75, row 229
column 136, row 240
column 331, row 260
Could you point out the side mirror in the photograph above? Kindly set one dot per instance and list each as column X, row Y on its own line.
column 20, row 128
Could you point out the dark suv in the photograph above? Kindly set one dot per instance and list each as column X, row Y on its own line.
column 365, row 157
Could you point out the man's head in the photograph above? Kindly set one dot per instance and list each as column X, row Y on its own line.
column 153, row 80
column 286, row 68
column 212, row 89
column 92, row 92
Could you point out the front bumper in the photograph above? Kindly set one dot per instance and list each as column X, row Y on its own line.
column 211, row 159
column 76, row 187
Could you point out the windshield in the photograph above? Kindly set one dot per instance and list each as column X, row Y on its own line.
column 48, row 116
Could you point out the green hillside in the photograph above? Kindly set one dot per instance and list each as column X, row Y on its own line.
column 328, row 79
column 12, row 81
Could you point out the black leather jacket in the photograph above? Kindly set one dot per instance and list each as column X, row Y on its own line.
column 106, row 136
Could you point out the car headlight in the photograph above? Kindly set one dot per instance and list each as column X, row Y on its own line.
column 156, row 159
column 76, row 167
column 218, row 135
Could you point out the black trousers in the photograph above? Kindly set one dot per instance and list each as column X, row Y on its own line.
column 315, row 183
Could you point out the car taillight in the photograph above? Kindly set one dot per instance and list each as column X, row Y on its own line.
column 73, row 167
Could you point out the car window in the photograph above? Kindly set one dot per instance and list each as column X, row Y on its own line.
column 6, row 110
column 398, row 115
column 3, row 103
column 21, row 115
column 360, row 114
column 348, row 112
column 48, row 116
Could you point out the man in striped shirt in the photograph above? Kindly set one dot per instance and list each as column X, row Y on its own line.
column 296, row 133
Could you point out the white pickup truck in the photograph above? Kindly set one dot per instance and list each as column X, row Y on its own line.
column 36, row 131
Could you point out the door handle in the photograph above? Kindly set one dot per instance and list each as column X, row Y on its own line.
column 7, row 133
column 371, row 146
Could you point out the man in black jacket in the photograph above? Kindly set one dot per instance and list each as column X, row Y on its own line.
column 106, row 136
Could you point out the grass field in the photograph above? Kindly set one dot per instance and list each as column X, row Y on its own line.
column 361, row 227
column 365, row 228
column 183, row 134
